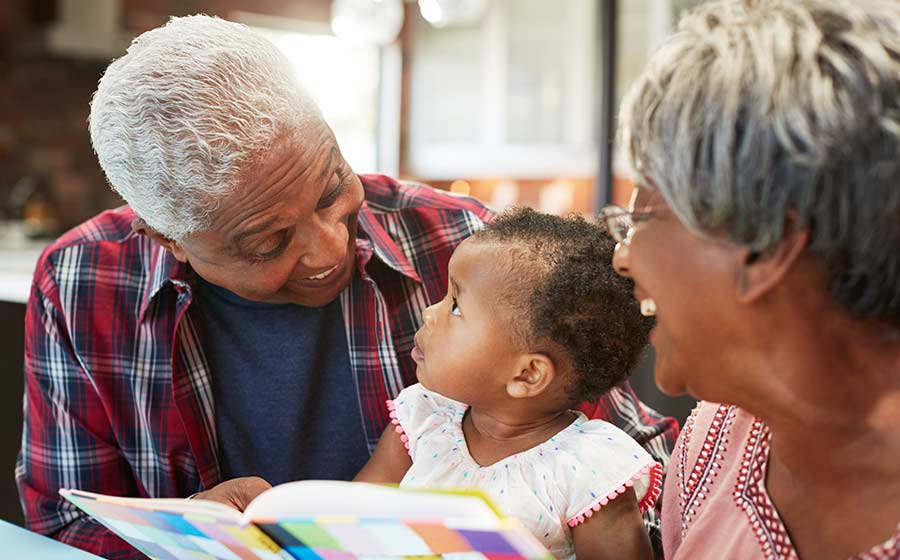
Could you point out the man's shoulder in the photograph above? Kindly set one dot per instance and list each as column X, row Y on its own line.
column 104, row 241
column 108, row 226
column 385, row 195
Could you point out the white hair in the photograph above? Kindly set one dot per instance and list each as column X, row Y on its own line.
column 755, row 111
column 191, row 105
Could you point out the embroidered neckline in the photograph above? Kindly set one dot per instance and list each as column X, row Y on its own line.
column 463, row 447
column 751, row 496
column 694, row 488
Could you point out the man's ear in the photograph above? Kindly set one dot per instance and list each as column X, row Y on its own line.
column 535, row 372
column 140, row 227
column 758, row 273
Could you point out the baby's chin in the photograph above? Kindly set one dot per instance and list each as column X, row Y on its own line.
column 436, row 390
column 423, row 380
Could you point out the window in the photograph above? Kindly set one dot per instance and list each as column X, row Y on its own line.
column 513, row 96
column 349, row 82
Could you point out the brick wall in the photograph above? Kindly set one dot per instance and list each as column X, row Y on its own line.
column 44, row 97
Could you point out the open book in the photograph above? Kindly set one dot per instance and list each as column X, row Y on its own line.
column 317, row 519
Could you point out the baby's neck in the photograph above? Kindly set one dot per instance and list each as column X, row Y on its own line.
column 491, row 438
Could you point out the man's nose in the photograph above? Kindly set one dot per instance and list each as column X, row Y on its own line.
column 620, row 259
column 326, row 245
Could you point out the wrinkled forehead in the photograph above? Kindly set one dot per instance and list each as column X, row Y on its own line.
column 308, row 142
column 294, row 171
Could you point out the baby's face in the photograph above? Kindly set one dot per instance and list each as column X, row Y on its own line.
column 463, row 349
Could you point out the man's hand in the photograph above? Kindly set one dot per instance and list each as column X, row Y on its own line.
column 237, row 492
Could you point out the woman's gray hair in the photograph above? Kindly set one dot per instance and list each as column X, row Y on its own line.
column 761, row 114
column 191, row 105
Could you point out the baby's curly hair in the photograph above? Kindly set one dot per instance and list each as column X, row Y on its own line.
column 563, row 282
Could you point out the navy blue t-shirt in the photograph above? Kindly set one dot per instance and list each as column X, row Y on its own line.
column 285, row 399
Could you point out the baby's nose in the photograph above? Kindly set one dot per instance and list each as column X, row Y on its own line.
column 428, row 316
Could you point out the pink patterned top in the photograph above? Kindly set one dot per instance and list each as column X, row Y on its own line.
column 715, row 503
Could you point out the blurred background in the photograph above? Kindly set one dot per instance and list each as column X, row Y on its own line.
column 511, row 101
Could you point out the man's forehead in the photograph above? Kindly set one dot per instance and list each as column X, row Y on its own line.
column 311, row 143
column 270, row 184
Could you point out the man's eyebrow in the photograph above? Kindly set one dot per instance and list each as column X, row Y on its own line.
column 250, row 232
column 327, row 169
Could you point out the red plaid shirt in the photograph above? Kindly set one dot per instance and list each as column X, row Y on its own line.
column 118, row 397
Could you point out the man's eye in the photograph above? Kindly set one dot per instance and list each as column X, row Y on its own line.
column 271, row 248
column 454, row 308
column 333, row 194
column 270, row 244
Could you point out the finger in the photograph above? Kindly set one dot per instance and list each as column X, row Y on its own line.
column 248, row 489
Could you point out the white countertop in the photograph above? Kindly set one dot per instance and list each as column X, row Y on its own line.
column 17, row 262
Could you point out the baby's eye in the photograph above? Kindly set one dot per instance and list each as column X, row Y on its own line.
column 454, row 308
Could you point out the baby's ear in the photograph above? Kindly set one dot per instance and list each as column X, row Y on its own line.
column 535, row 372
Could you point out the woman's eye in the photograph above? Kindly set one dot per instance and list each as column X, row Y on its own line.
column 454, row 308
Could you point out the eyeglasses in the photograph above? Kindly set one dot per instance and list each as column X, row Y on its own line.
column 620, row 222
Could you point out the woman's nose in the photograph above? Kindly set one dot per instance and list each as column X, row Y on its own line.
column 620, row 259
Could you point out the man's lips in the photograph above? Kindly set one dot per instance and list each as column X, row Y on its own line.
column 324, row 278
column 322, row 275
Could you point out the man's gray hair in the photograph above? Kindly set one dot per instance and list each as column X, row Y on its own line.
column 191, row 105
column 758, row 115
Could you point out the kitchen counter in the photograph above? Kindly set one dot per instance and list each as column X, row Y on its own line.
column 17, row 264
column 19, row 255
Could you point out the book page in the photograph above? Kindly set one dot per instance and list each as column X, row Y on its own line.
column 315, row 498
column 332, row 519
column 175, row 505
column 174, row 529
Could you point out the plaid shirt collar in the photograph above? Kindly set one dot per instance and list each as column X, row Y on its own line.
column 372, row 240
column 164, row 269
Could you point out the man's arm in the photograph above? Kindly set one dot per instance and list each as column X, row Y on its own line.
column 67, row 440
column 389, row 462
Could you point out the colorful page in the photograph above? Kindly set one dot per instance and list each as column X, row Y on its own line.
column 339, row 520
column 178, row 529
column 318, row 520
column 345, row 538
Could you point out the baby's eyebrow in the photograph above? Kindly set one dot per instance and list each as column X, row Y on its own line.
column 455, row 285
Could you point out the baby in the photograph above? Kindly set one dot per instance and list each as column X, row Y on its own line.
column 535, row 320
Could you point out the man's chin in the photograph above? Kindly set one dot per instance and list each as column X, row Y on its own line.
column 317, row 298
column 321, row 296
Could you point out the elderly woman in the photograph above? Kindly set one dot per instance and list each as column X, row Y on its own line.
column 765, row 236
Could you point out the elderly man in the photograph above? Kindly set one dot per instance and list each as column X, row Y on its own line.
column 250, row 311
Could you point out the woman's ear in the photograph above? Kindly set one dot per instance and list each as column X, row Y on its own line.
column 758, row 273
column 141, row 227
column 534, row 373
